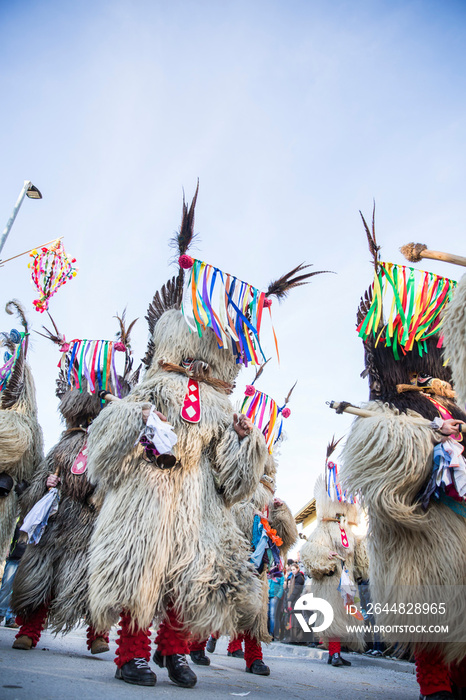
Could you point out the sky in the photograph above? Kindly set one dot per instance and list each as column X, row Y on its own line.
column 293, row 115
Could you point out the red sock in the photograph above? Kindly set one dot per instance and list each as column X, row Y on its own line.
column 33, row 626
column 252, row 650
column 198, row 645
column 431, row 673
column 171, row 638
column 92, row 635
column 132, row 642
column 334, row 646
column 235, row 643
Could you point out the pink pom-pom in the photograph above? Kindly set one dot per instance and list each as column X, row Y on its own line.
column 185, row 261
column 267, row 302
column 119, row 347
column 64, row 347
column 286, row 412
column 249, row 391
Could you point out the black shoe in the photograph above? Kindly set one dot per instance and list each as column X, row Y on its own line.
column 238, row 654
column 136, row 672
column 337, row 660
column 211, row 644
column 178, row 669
column 199, row 658
column 440, row 695
column 259, row 668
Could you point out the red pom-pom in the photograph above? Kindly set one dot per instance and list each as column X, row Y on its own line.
column 249, row 391
column 64, row 347
column 267, row 302
column 185, row 261
column 73, row 259
column 286, row 412
column 120, row 347
column 44, row 250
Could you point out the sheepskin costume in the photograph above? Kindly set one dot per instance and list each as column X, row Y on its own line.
column 333, row 533
column 52, row 580
column 282, row 523
column 21, row 444
column 388, row 458
column 455, row 339
column 166, row 543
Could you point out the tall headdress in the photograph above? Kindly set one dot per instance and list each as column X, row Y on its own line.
column 12, row 371
column 266, row 414
column 91, row 365
column 400, row 322
column 212, row 299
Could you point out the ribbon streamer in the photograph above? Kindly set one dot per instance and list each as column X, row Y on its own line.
column 266, row 416
column 92, row 361
column 232, row 309
column 415, row 312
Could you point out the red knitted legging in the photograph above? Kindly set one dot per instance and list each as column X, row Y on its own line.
column 432, row 673
column 197, row 645
column 252, row 649
column 235, row 643
column 171, row 638
column 92, row 635
column 131, row 644
column 33, row 626
column 334, row 646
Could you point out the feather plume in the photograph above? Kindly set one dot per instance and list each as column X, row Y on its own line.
column 364, row 306
column 185, row 236
column 282, row 286
column 373, row 247
column 331, row 447
column 260, row 370
column 288, row 396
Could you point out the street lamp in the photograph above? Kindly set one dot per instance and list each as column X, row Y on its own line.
column 33, row 193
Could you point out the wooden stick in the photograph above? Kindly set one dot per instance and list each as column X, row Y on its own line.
column 415, row 252
column 364, row 413
column 2, row 262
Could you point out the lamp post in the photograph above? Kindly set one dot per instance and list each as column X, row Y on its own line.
column 30, row 191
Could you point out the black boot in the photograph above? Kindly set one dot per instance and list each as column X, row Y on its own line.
column 238, row 654
column 178, row 669
column 199, row 658
column 259, row 668
column 440, row 695
column 211, row 644
column 136, row 672
column 337, row 660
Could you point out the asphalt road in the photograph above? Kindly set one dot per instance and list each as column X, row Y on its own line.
column 61, row 668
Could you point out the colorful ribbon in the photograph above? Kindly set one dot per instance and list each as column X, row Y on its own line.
column 265, row 414
column 415, row 308
column 232, row 309
column 334, row 490
column 92, row 361
column 10, row 360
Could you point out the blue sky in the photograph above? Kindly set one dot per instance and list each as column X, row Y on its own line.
column 294, row 115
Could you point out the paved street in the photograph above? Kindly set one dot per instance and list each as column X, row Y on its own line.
column 62, row 668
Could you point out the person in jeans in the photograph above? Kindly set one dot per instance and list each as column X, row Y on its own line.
column 15, row 553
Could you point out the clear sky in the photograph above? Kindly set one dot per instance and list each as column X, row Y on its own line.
column 294, row 115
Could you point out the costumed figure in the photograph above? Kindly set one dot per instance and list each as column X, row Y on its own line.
column 410, row 473
column 52, row 580
column 332, row 556
column 21, row 446
column 266, row 522
column 165, row 542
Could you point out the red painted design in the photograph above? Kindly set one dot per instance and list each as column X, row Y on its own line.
column 80, row 463
column 344, row 538
column 191, row 409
